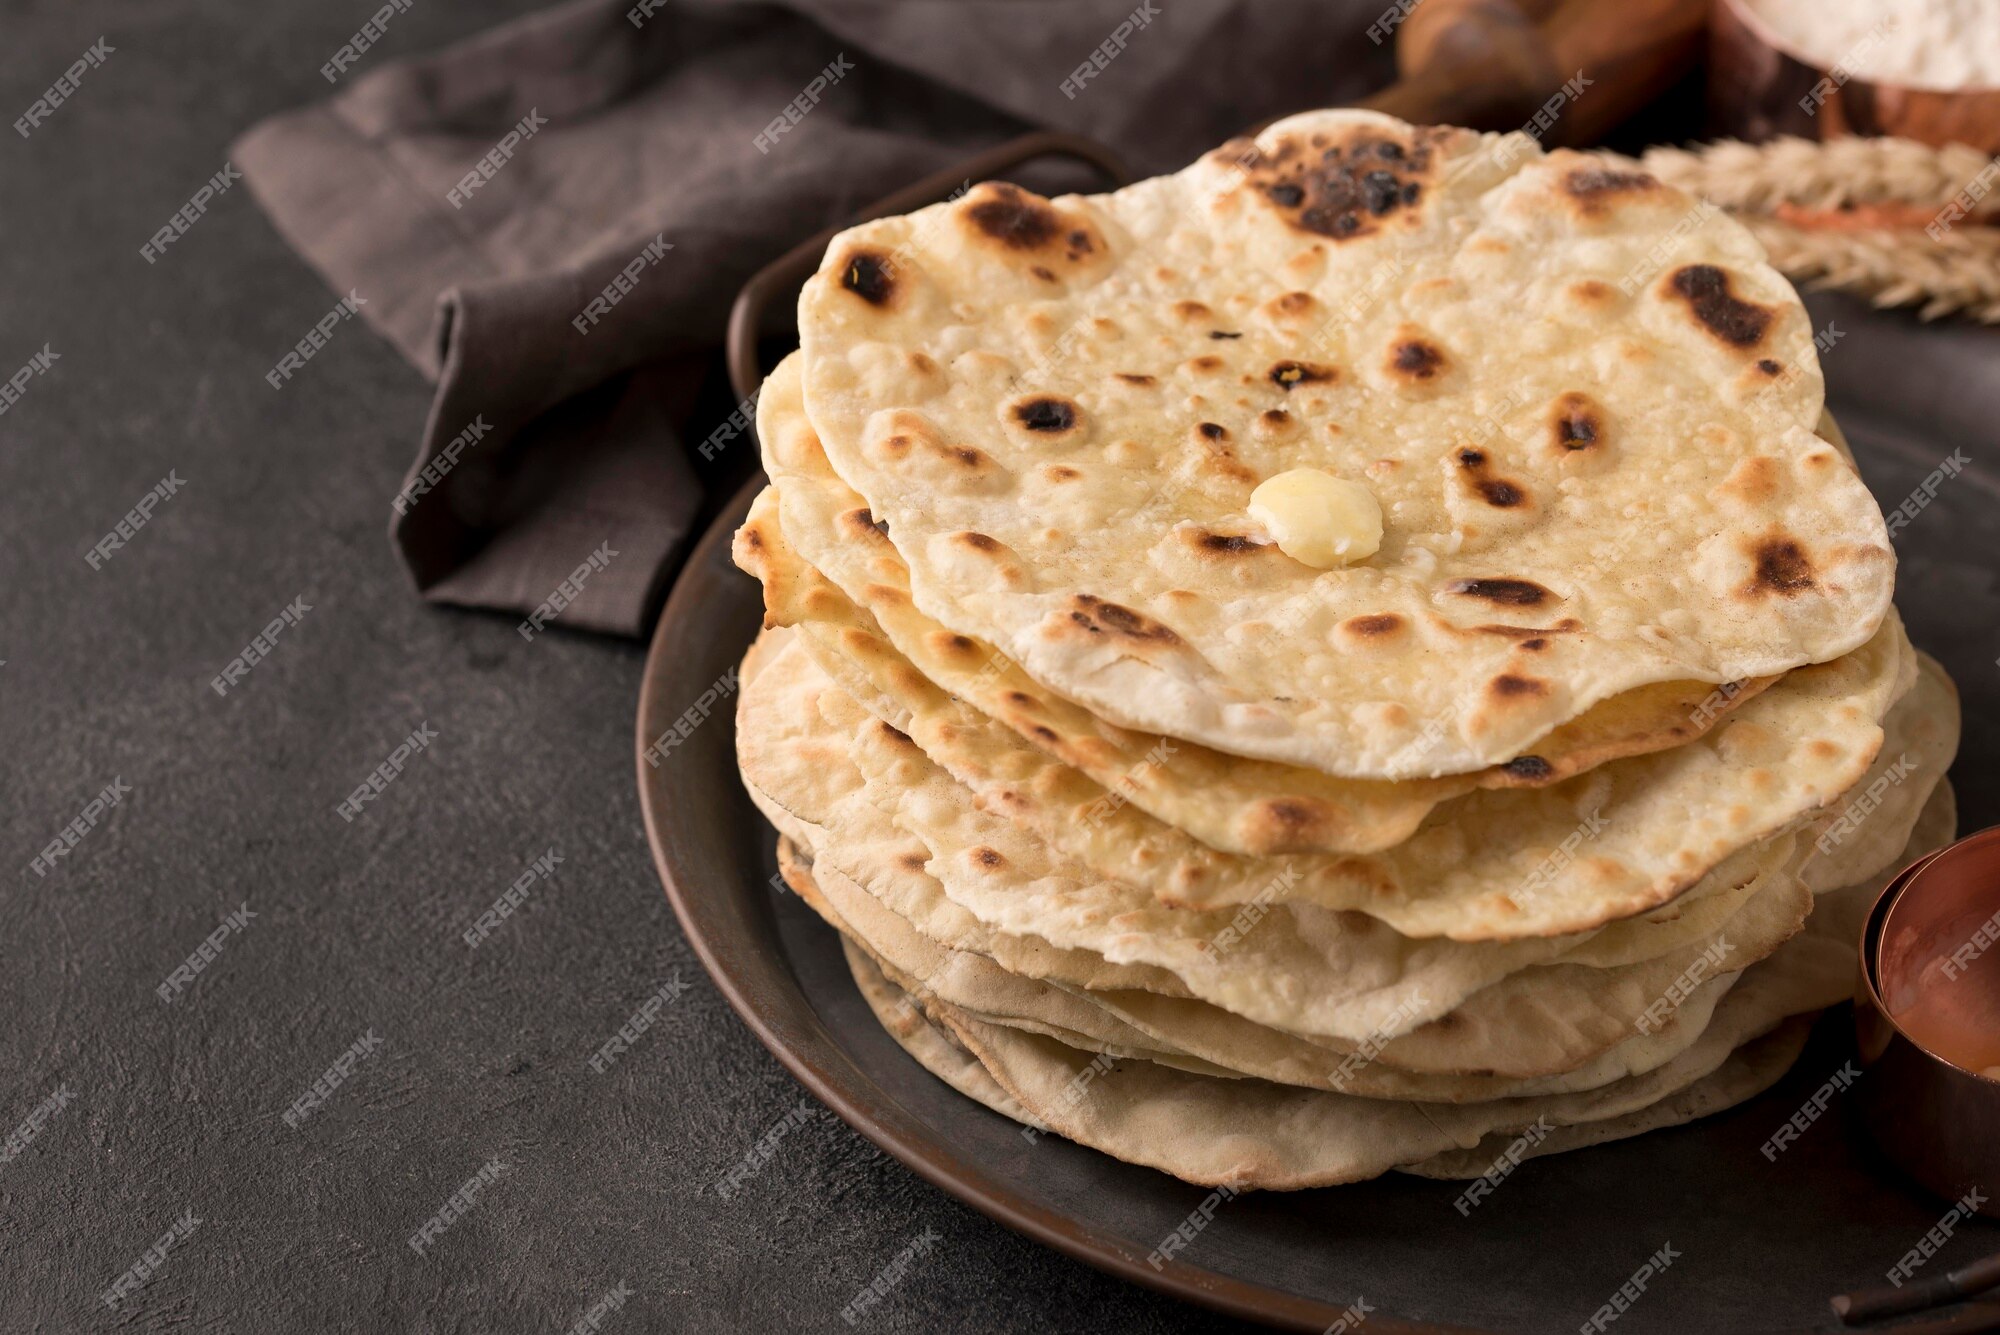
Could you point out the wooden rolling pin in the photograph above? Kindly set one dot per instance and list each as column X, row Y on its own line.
column 1492, row 64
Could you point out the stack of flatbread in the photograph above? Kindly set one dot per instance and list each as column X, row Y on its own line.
column 1547, row 820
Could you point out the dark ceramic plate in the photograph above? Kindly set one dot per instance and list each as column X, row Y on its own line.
column 1761, row 1244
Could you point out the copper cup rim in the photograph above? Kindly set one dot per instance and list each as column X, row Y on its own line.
column 1871, row 937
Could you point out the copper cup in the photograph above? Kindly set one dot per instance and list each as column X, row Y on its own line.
column 1927, row 1020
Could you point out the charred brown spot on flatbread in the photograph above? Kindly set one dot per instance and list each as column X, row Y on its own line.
column 1287, row 375
column 1013, row 217
column 1782, row 568
column 1290, row 814
column 1576, row 423
column 909, row 440
column 1291, row 307
column 913, row 860
column 1530, row 635
column 1708, row 293
column 870, row 275
column 862, row 523
column 1218, row 457
column 978, row 542
column 1133, row 378
column 1275, row 424
column 1499, row 492
column 1098, row 617
column 1415, row 360
column 1220, row 461
column 1211, row 543
column 1502, row 591
column 1046, row 414
column 1373, row 633
column 1529, row 769
column 1513, row 686
column 1020, row 222
column 1592, row 292
column 1229, row 542
column 989, row 858
column 1287, row 824
column 1340, row 187
column 1016, row 801
column 962, row 649
column 1596, row 191
column 1757, row 480
column 1373, row 625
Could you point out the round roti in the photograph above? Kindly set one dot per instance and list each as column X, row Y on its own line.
column 1584, row 403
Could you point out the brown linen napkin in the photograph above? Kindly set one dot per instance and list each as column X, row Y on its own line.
column 551, row 219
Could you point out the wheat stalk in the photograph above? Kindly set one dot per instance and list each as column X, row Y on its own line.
column 1957, row 272
column 1849, row 170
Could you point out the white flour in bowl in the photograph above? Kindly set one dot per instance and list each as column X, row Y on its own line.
column 1935, row 44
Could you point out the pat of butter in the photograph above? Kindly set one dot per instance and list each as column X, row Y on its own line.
column 1318, row 519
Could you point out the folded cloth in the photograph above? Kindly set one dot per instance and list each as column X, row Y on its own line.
column 550, row 220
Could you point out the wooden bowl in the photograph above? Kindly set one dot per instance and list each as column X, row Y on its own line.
column 1758, row 88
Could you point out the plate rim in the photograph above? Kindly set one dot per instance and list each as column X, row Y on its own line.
column 810, row 1057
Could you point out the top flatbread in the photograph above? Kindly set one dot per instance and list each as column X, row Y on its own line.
column 1585, row 403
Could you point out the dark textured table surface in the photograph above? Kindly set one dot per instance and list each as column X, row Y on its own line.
column 166, row 1117
column 176, row 1108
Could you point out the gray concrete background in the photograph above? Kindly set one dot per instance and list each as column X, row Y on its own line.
column 177, row 1107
